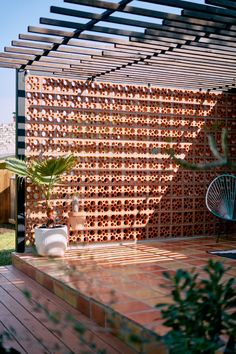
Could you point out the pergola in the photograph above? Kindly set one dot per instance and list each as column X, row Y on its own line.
column 134, row 42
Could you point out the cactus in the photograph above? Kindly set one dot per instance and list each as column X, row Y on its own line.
column 221, row 159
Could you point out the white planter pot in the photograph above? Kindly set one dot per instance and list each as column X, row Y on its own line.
column 51, row 241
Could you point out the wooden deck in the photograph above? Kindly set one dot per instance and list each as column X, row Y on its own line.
column 34, row 333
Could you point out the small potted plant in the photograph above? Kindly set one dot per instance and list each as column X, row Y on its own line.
column 50, row 238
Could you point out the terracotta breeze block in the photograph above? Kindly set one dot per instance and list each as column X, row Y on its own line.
column 129, row 187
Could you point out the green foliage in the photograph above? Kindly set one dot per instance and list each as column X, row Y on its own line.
column 17, row 166
column 7, row 335
column 7, row 246
column 44, row 174
column 202, row 311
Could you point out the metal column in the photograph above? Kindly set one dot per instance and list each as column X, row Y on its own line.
column 20, row 153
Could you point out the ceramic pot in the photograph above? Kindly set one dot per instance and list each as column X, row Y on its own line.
column 51, row 241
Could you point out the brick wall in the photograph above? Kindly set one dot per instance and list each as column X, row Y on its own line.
column 127, row 191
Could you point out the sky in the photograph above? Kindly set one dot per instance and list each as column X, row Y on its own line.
column 15, row 16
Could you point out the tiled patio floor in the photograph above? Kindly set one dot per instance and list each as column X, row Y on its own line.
column 126, row 278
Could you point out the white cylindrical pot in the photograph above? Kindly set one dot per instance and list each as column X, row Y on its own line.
column 51, row 241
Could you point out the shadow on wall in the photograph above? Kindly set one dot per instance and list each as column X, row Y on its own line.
column 127, row 192
column 182, row 210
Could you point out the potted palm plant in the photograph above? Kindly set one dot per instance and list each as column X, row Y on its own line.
column 50, row 239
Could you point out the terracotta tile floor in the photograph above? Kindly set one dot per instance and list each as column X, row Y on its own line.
column 127, row 278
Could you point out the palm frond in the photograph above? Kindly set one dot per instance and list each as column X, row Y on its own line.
column 44, row 174
column 16, row 166
column 48, row 172
column 56, row 167
column 36, row 176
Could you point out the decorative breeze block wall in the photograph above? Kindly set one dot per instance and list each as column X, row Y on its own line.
column 127, row 191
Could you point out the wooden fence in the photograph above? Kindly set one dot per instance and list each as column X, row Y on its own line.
column 5, row 196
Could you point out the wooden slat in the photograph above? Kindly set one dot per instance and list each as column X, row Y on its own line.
column 10, row 65
column 225, row 38
column 228, row 44
column 196, row 21
column 11, row 342
column 42, row 69
column 97, row 16
column 138, row 42
column 199, row 52
column 170, row 77
column 202, row 33
column 110, row 30
column 200, row 61
column 182, row 24
column 87, row 53
column 49, row 31
column 31, row 45
column 224, row 3
column 188, row 5
column 126, row 21
column 55, row 40
column 65, row 55
column 12, row 61
column 28, row 341
column 167, row 69
column 12, row 284
column 17, row 56
column 35, row 330
column 115, row 7
column 23, row 51
column 202, row 48
column 29, row 37
column 142, row 11
column 190, row 65
column 221, row 37
column 207, row 17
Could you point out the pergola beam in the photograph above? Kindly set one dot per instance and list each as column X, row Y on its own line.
column 192, row 6
column 198, row 45
column 224, row 3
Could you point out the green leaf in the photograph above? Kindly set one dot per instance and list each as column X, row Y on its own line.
column 56, row 167
column 202, row 310
column 44, row 174
column 16, row 166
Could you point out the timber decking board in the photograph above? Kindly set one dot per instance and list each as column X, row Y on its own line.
column 17, row 312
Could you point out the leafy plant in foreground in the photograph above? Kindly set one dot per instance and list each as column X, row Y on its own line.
column 7, row 335
column 203, row 310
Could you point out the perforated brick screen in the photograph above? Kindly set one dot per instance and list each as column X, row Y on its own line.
column 127, row 191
